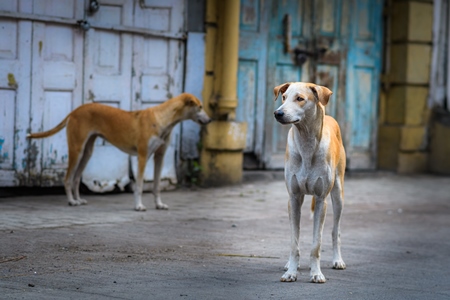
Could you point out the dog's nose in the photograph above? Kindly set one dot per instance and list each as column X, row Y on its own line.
column 278, row 113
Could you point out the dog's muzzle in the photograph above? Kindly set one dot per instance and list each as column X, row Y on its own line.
column 279, row 115
column 283, row 118
column 203, row 118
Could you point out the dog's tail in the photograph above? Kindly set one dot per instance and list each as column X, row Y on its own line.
column 40, row 135
column 313, row 206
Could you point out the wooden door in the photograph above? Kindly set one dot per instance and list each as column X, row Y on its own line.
column 107, row 80
column 363, row 83
column 134, row 60
column 342, row 42
column 158, row 61
column 56, row 70
column 283, row 68
column 15, row 71
column 252, row 73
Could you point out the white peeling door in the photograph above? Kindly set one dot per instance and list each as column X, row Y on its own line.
column 107, row 80
column 56, row 70
column 134, row 60
column 158, row 71
column 15, row 69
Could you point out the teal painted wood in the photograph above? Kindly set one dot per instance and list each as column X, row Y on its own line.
column 281, row 68
column 363, row 81
column 252, row 72
column 351, row 33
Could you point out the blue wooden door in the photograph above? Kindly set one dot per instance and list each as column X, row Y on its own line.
column 363, row 83
column 252, row 74
column 281, row 67
column 344, row 40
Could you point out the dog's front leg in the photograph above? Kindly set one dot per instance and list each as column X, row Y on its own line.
column 320, row 210
column 158, row 158
column 294, row 207
column 142, row 161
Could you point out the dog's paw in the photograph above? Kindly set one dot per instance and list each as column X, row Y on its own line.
column 140, row 208
column 77, row 202
column 339, row 264
column 162, row 206
column 289, row 277
column 317, row 278
column 286, row 266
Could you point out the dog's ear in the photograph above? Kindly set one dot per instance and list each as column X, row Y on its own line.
column 280, row 89
column 190, row 99
column 321, row 93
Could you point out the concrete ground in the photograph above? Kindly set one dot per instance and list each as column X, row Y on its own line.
column 228, row 243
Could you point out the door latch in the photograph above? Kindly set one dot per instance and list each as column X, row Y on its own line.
column 93, row 6
column 299, row 54
column 84, row 25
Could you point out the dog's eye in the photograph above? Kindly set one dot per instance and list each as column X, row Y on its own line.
column 284, row 97
column 300, row 99
column 201, row 107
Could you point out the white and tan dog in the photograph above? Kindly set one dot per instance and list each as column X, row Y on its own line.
column 314, row 165
column 141, row 133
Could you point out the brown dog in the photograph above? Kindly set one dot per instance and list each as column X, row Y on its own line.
column 141, row 133
column 314, row 165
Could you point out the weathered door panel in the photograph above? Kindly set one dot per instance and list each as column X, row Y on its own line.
column 107, row 80
column 132, row 57
column 251, row 73
column 343, row 42
column 158, row 72
column 55, row 86
column 363, row 70
column 330, row 34
column 282, row 68
column 15, row 71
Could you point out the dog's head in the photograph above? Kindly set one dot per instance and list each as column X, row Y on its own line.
column 300, row 101
column 194, row 109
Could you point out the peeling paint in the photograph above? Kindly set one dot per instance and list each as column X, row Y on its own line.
column 41, row 44
column 12, row 81
column 91, row 96
column 236, row 131
column 32, row 153
column 2, row 140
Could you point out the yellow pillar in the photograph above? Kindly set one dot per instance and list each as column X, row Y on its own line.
column 224, row 139
column 229, row 59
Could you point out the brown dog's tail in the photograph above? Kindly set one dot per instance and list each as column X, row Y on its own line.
column 40, row 135
column 313, row 206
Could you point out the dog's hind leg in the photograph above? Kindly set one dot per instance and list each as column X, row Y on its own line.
column 294, row 208
column 337, row 199
column 320, row 210
column 75, row 154
column 158, row 158
column 142, row 161
column 87, row 153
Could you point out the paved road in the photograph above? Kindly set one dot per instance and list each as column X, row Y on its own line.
column 227, row 243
